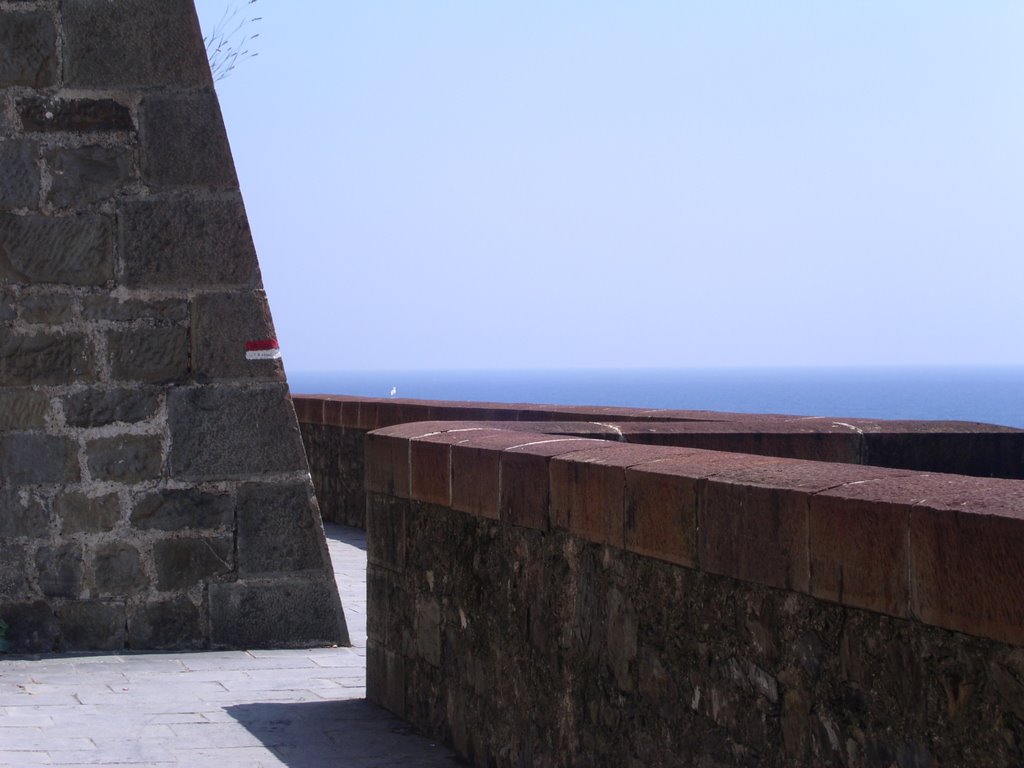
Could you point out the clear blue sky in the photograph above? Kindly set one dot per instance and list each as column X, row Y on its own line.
column 658, row 183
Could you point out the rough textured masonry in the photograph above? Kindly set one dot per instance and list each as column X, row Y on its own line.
column 546, row 600
column 153, row 487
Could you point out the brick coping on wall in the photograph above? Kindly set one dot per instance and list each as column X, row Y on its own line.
column 940, row 549
column 956, row 447
column 373, row 413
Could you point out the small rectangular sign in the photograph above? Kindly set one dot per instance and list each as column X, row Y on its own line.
column 264, row 349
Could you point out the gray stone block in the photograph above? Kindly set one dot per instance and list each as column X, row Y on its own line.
column 106, row 307
column 184, row 142
column 174, row 510
column 19, row 183
column 222, row 324
column 71, row 250
column 428, row 630
column 385, row 679
column 385, row 530
column 168, row 624
column 151, row 355
column 133, row 42
column 187, row 243
column 227, row 432
column 41, row 115
column 278, row 614
column 125, row 458
column 79, row 513
column 92, row 625
column 28, row 458
column 119, row 569
column 276, row 530
column 40, row 359
column 22, row 516
column 54, row 309
column 183, row 563
column 59, row 570
column 13, row 573
column 97, row 408
column 32, row 627
column 28, row 49
column 23, row 409
column 84, row 175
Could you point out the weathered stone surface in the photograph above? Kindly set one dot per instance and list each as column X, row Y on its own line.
column 182, row 510
column 99, row 407
column 274, row 614
column 106, row 307
column 83, row 175
column 427, row 624
column 19, row 183
column 225, row 432
column 60, row 570
column 554, row 651
column 222, row 323
column 167, row 624
column 125, row 458
column 277, row 530
column 184, row 143
column 28, row 49
column 13, row 572
column 119, row 569
column 150, row 355
column 48, row 309
column 185, row 243
column 183, row 563
column 23, row 409
column 336, row 464
column 22, row 516
column 119, row 209
column 28, row 458
column 158, row 42
column 39, row 359
column 72, row 250
column 79, row 513
column 386, row 519
column 32, row 627
column 46, row 115
column 92, row 625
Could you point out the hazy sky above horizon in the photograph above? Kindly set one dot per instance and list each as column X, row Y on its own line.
column 659, row 183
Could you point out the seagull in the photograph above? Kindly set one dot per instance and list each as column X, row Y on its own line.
column 394, row 391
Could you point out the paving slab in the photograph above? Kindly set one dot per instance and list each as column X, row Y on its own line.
column 270, row 708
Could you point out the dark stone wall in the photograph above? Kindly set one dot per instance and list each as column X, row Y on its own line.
column 522, row 647
column 543, row 600
column 336, row 465
column 153, row 486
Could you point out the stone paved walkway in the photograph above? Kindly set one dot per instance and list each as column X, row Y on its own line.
column 301, row 709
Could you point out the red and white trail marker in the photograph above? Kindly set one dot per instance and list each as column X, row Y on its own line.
column 265, row 349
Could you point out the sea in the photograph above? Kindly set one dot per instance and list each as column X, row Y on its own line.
column 990, row 395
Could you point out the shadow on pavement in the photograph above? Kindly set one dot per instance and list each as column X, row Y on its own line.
column 349, row 734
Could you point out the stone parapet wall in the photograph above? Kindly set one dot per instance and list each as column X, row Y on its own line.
column 334, row 428
column 543, row 600
column 153, row 487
